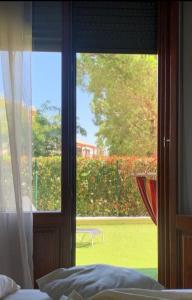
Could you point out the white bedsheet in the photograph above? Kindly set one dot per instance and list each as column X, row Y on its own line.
column 38, row 295
column 28, row 295
column 138, row 294
column 135, row 294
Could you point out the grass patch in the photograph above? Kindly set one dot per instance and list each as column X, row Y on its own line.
column 89, row 221
column 127, row 244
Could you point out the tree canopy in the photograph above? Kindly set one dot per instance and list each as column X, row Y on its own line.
column 124, row 104
column 46, row 127
column 124, row 100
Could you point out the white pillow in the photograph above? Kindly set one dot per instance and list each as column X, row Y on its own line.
column 7, row 286
column 91, row 279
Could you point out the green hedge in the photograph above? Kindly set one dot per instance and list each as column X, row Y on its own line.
column 48, row 187
column 105, row 186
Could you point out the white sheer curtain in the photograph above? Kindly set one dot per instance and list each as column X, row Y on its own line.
column 15, row 143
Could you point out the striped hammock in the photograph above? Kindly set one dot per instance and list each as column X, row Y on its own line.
column 148, row 191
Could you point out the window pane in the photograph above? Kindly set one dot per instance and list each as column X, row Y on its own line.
column 46, row 126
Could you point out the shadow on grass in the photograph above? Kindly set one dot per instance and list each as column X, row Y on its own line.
column 151, row 272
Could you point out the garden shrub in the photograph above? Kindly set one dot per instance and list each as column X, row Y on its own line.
column 48, row 170
column 106, row 186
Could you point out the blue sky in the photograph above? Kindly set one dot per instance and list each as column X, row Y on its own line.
column 46, row 85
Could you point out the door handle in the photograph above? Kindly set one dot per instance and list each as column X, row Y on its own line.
column 166, row 141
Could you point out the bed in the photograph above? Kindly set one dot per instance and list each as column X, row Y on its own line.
column 38, row 295
column 93, row 282
column 28, row 295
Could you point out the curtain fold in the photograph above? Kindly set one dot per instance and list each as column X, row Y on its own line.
column 16, row 220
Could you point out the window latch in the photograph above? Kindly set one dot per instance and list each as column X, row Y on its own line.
column 166, row 141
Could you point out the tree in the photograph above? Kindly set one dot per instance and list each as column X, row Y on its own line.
column 46, row 127
column 124, row 100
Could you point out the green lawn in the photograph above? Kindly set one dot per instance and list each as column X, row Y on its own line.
column 130, row 244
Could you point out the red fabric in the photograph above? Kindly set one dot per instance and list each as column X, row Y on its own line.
column 148, row 191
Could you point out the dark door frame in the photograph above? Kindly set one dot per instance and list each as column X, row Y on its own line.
column 168, row 47
column 56, row 231
column 68, row 163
